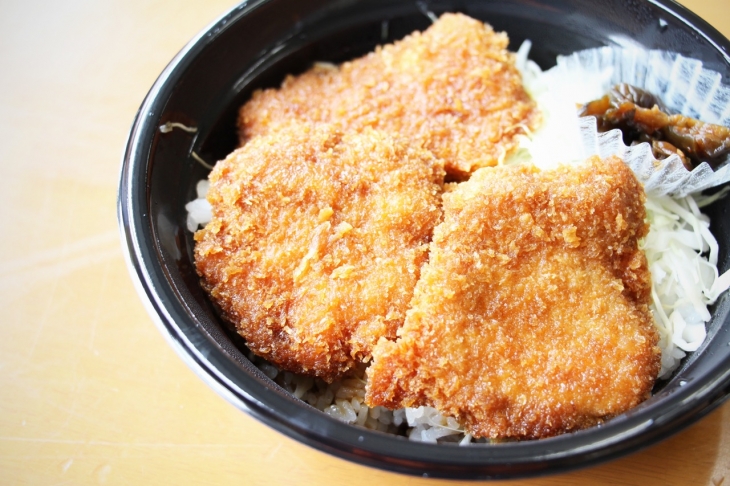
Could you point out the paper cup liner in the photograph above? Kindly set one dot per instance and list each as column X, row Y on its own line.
column 682, row 84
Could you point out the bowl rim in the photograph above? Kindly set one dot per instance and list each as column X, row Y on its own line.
column 253, row 394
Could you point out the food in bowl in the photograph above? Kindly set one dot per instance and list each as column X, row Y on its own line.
column 454, row 89
column 531, row 316
column 457, row 170
column 641, row 118
column 316, row 242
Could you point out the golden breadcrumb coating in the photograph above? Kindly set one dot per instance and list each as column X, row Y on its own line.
column 316, row 242
column 452, row 88
column 531, row 317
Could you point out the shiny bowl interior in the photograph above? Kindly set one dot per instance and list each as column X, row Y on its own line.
column 255, row 45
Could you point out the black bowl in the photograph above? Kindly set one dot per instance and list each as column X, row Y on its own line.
column 255, row 45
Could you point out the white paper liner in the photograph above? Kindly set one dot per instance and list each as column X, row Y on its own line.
column 684, row 87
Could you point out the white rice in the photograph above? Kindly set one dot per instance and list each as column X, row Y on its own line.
column 199, row 210
column 344, row 400
column 681, row 252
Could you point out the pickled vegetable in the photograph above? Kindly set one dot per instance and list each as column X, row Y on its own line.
column 641, row 117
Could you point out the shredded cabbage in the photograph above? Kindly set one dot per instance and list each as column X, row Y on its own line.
column 682, row 256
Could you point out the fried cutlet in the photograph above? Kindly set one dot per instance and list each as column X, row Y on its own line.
column 316, row 242
column 453, row 89
column 531, row 317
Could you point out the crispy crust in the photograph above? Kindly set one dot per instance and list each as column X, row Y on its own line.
column 316, row 242
column 531, row 318
column 452, row 88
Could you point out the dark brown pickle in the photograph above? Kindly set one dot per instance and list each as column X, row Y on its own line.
column 698, row 140
column 662, row 149
column 641, row 117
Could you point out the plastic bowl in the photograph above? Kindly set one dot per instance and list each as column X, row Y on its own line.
column 255, row 45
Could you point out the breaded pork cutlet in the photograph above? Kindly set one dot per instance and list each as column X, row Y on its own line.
column 531, row 317
column 452, row 88
column 316, row 242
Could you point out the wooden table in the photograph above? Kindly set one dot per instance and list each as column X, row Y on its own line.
column 89, row 390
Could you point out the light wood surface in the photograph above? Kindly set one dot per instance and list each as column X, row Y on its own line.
column 90, row 393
